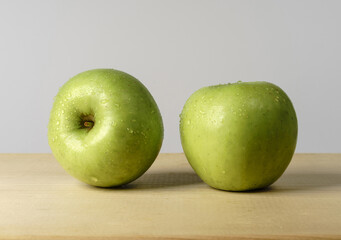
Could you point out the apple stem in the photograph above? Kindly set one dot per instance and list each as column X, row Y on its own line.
column 88, row 124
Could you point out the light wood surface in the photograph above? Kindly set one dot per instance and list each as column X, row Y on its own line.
column 38, row 200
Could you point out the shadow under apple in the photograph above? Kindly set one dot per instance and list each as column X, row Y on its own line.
column 155, row 180
column 289, row 182
column 307, row 181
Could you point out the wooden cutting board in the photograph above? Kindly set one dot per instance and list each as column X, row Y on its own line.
column 38, row 200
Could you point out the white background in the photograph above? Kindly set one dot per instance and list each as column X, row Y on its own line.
column 174, row 48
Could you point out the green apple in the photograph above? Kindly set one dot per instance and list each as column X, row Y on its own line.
column 105, row 128
column 240, row 136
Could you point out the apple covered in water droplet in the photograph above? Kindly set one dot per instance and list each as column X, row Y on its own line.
column 105, row 128
column 240, row 136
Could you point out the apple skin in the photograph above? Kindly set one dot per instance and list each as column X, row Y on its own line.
column 239, row 137
column 124, row 133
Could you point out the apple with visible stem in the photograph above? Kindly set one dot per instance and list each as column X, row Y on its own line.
column 240, row 136
column 105, row 128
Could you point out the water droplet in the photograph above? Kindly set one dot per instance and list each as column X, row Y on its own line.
column 62, row 104
column 224, row 172
column 57, row 122
column 94, row 179
column 103, row 101
column 63, row 111
column 188, row 122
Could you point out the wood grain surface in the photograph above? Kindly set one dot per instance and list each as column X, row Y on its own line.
column 38, row 200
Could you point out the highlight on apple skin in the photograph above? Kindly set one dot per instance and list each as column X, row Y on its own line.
column 239, row 137
column 105, row 128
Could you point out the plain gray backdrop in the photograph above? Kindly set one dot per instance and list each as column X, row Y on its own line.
column 174, row 48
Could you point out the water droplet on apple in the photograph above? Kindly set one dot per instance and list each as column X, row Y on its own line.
column 224, row 172
column 94, row 179
column 188, row 122
column 62, row 111
column 57, row 122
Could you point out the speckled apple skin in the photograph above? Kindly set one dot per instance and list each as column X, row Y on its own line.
column 127, row 133
column 240, row 136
